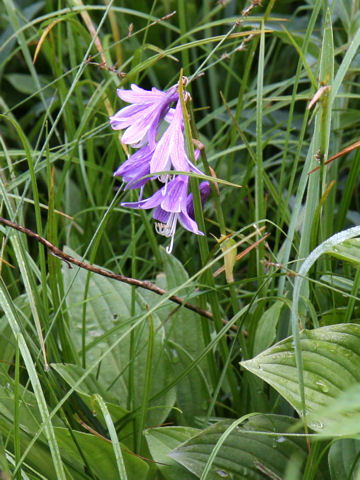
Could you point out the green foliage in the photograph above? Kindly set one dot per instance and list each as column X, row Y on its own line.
column 330, row 360
column 100, row 379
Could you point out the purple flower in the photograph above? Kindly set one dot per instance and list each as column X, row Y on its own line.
column 136, row 167
column 205, row 190
column 172, row 204
column 170, row 150
column 142, row 118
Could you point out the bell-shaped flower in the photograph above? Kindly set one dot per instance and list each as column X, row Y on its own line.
column 141, row 119
column 172, row 204
column 170, row 150
column 205, row 190
column 135, row 168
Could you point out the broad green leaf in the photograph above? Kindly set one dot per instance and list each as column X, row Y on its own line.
column 266, row 327
column 344, row 459
column 331, row 363
column 184, row 342
column 184, row 334
column 164, row 439
column 41, row 403
column 87, row 389
column 90, row 385
column 342, row 415
column 258, row 445
column 341, row 283
column 348, row 251
column 39, row 456
column 99, row 455
column 107, row 316
column 25, row 83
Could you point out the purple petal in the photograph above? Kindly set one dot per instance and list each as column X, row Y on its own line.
column 140, row 95
column 138, row 129
column 160, row 215
column 126, row 116
column 171, row 147
column 136, row 167
column 151, row 202
column 189, row 223
column 161, row 158
column 174, row 198
column 141, row 119
column 205, row 190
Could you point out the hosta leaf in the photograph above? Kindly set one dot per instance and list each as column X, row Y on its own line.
column 266, row 327
column 185, row 342
column 342, row 415
column 24, row 83
column 86, row 391
column 161, row 441
column 331, row 363
column 72, row 374
column 108, row 317
column 349, row 250
column 344, row 459
column 257, row 449
column 99, row 455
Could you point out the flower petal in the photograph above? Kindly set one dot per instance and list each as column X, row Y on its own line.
column 174, row 198
column 189, row 223
column 205, row 190
column 136, row 167
column 151, row 202
column 160, row 215
column 140, row 95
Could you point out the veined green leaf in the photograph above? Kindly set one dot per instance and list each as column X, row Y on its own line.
column 257, row 449
column 331, row 363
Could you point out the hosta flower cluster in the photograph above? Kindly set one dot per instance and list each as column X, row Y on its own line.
column 157, row 153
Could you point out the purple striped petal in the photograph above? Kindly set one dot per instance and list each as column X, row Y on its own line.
column 150, row 202
column 160, row 215
column 170, row 149
column 189, row 224
column 175, row 194
column 136, row 167
column 205, row 190
column 142, row 117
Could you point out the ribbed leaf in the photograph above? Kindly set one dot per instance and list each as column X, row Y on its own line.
column 266, row 328
column 184, row 344
column 107, row 316
column 348, row 251
column 99, row 455
column 257, row 449
column 161, row 441
column 331, row 363
column 344, row 459
column 342, row 415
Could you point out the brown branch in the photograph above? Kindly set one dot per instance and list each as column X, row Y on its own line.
column 106, row 273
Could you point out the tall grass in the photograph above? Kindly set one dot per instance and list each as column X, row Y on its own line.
column 102, row 379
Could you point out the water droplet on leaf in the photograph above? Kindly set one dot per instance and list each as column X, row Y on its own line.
column 322, row 385
column 222, row 474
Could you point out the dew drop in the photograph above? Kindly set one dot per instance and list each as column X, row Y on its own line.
column 175, row 356
column 323, row 387
column 222, row 474
column 316, row 425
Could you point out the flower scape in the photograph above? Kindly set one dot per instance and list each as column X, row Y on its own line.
column 156, row 154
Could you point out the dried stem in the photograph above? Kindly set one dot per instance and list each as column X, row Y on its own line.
column 106, row 273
